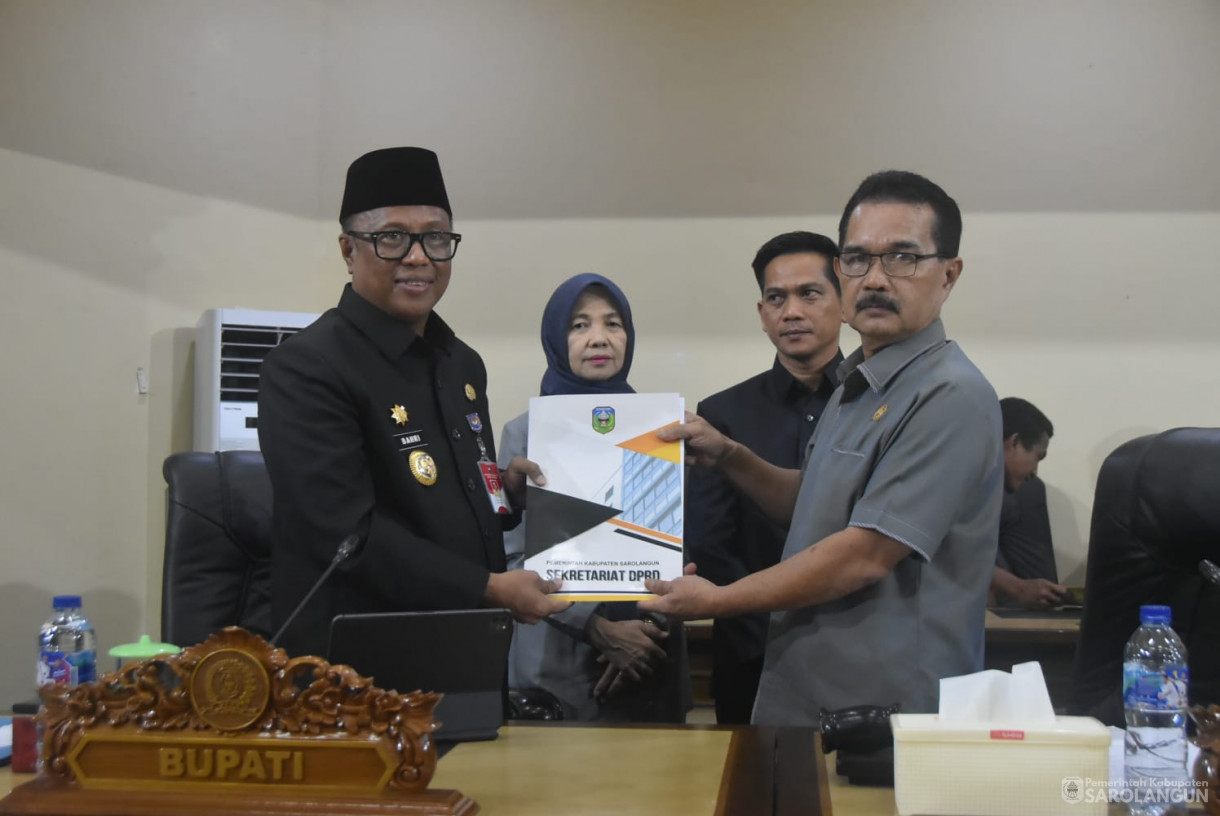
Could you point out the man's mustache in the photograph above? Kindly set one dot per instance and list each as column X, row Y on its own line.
column 874, row 300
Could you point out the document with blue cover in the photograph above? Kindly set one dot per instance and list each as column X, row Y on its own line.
column 610, row 515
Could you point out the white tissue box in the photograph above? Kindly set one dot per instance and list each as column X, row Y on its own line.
column 962, row 768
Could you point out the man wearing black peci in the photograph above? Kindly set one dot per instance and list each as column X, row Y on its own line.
column 374, row 421
column 773, row 414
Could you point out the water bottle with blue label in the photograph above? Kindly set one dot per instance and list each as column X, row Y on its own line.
column 68, row 646
column 1155, row 685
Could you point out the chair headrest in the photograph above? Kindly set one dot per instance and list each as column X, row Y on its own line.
column 1175, row 494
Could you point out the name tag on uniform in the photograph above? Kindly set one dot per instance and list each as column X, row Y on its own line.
column 494, row 486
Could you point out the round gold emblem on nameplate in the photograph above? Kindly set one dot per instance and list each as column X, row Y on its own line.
column 230, row 689
column 423, row 467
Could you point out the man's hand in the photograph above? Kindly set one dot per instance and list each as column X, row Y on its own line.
column 524, row 593
column 1037, row 593
column 1030, row 593
column 609, row 683
column 630, row 657
column 687, row 597
column 629, row 645
column 773, row 489
column 705, row 445
column 514, row 476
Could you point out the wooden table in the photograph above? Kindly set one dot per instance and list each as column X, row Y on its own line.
column 630, row 770
column 1019, row 636
column 1010, row 638
column 1031, row 626
column 640, row 770
column 644, row 770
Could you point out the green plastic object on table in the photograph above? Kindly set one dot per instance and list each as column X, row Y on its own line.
column 142, row 649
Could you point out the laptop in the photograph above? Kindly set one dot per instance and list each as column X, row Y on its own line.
column 462, row 654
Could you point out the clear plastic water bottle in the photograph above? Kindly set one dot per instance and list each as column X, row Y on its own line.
column 1155, row 683
column 68, row 646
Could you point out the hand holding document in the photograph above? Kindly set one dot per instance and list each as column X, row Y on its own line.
column 610, row 514
column 519, row 473
column 524, row 594
column 703, row 445
column 688, row 598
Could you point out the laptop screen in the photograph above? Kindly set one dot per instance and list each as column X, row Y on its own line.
column 463, row 654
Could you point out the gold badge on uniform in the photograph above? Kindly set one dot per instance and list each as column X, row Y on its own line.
column 399, row 414
column 423, row 467
column 470, row 395
column 881, row 412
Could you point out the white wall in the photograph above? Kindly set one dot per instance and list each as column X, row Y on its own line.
column 1101, row 320
column 1102, row 314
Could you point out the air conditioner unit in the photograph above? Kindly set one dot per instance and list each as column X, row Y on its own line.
column 230, row 345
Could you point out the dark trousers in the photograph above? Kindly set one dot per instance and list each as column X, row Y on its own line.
column 734, row 681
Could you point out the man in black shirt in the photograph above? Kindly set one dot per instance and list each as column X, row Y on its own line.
column 1025, row 573
column 773, row 414
column 374, row 421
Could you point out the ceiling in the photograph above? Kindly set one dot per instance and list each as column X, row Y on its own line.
column 628, row 108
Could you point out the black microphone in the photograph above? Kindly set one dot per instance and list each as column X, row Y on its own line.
column 347, row 548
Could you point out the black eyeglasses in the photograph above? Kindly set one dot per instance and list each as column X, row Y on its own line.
column 894, row 264
column 394, row 245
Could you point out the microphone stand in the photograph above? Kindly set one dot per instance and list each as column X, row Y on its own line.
column 346, row 549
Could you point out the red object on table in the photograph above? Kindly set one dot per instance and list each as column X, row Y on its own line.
column 25, row 740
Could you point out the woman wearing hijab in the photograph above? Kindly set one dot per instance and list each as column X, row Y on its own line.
column 589, row 340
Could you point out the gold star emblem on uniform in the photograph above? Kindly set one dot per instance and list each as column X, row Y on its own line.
column 399, row 414
column 423, row 467
column 881, row 412
column 470, row 395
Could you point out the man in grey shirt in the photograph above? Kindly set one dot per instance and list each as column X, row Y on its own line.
column 892, row 537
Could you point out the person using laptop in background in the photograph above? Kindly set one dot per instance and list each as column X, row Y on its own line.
column 374, row 421
column 773, row 414
column 1025, row 573
column 601, row 661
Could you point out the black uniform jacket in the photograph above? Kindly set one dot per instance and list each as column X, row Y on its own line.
column 726, row 535
column 342, row 407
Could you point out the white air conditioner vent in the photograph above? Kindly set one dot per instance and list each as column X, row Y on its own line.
column 230, row 345
column 242, row 349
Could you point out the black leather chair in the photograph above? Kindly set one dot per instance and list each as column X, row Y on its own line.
column 1156, row 516
column 218, row 557
column 217, row 545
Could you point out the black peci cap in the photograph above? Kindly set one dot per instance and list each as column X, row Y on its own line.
column 394, row 177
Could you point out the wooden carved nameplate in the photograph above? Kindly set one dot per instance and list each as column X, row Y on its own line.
column 235, row 726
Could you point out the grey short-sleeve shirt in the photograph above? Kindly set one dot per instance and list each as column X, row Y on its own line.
column 910, row 446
